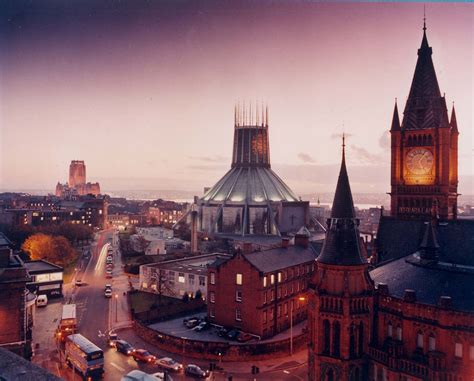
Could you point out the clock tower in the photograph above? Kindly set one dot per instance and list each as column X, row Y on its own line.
column 424, row 170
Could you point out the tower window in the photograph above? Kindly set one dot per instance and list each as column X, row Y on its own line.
column 419, row 340
column 389, row 330
column 326, row 336
column 336, row 339
column 432, row 343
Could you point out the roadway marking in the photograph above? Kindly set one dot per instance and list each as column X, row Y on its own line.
column 117, row 367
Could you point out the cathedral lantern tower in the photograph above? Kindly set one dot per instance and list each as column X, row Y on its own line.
column 424, row 159
column 341, row 296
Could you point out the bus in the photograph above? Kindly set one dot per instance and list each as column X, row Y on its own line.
column 68, row 323
column 84, row 356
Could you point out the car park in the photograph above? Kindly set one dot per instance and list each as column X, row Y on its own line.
column 195, row 371
column 143, row 355
column 124, row 347
column 203, row 326
column 169, row 364
column 233, row 334
column 244, row 337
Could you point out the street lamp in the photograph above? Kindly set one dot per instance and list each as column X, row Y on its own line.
column 116, row 308
column 302, row 299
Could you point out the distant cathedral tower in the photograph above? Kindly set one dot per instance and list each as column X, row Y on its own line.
column 424, row 171
column 341, row 296
column 77, row 173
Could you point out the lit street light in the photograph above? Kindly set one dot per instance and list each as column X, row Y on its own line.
column 302, row 299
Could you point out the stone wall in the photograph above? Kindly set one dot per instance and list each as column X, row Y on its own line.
column 211, row 349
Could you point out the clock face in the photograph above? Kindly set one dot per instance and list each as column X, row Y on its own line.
column 419, row 161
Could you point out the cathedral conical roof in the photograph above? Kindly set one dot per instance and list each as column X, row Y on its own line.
column 342, row 244
column 425, row 107
column 395, row 119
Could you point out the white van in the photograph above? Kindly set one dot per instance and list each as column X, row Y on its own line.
column 42, row 301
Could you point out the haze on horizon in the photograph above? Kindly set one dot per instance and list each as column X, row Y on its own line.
column 144, row 92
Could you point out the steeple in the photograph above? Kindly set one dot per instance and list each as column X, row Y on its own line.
column 395, row 119
column 453, row 123
column 342, row 243
column 425, row 107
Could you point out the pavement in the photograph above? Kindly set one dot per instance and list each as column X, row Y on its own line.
column 98, row 315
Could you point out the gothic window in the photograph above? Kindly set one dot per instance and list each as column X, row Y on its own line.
column 399, row 333
column 352, row 344
column 431, row 343
column 327, row 336
column 336, row 339
column 419, row 340
column 361, row 338
column 389, row 329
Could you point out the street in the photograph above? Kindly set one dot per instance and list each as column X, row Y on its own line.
column 97, row 315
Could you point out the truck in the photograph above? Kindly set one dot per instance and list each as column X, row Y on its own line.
column 68, row 323
column 84, row 357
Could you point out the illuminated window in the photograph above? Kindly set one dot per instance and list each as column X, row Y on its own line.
column 458, row 350
column 279, row 277
column 181, row 278
column 264, row 281
column 272, row 279
column 213, row 278
column 238, row 279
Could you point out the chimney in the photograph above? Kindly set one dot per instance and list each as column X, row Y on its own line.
column 302, row 240
column 247, row 248
column 445, row 302
column 285, row 242
column 410, row 296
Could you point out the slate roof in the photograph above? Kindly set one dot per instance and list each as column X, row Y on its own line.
column 425, row 107
column 276, row 259
column 40, row 266
column 398, row 238
column 429, row 283
column 16, row 368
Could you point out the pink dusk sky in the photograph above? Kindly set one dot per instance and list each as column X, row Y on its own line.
column 144, row 92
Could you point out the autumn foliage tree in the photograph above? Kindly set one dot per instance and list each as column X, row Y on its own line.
column 54, row 249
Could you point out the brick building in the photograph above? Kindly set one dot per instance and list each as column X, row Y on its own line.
column 412, row 317
column 257, row 291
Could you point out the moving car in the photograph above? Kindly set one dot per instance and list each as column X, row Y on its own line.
column 143, row 355
column 195, row 371
column 112, row 339
column 203, row 326
column 78, row 282
column 169, row 363
column 124, row 347
column 138, row 375
column 108, row 293
column 108, row 274
column 244, row 337
column 108, row 286
column 42, row 301
column 233, row 334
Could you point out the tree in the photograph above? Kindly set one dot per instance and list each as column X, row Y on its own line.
column 185, row 297
column 53, row 249
column 198, row 295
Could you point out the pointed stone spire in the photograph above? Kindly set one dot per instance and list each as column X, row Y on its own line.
column 343, row 206
column 453, row 123
column 429, row 246
column 342, row 244
column 395, row 119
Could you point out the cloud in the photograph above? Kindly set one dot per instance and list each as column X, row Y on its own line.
column 306, row 158
column 384, row 140
column 365, row 157
column 210, row 159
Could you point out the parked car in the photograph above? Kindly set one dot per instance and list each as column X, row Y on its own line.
column 42, row 300
column 223, row 331
column 169, row 363
column 203, row 326
column 244, row 337
column 108, row 293
column 195, row 371
column 138, row 375
column 109, row 259
column 108, row 274
column 233, row 334
column 124, row 347
column 143, row 355
column 108, row 286
column 112, row 339
column 192, row 322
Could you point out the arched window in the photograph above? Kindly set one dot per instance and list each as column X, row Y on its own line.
column 361, row 338
column 330, row 375
column 352, row 344
column 419, row 340
column 327, row 337
column 389, row 329
column 336, row 339
column 431, row 343
column 399, row 333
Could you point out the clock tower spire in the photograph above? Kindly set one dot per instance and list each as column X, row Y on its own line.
column 424, row 147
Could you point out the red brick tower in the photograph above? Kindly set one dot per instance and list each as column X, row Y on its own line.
column 424, row 148
column 341, row 296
